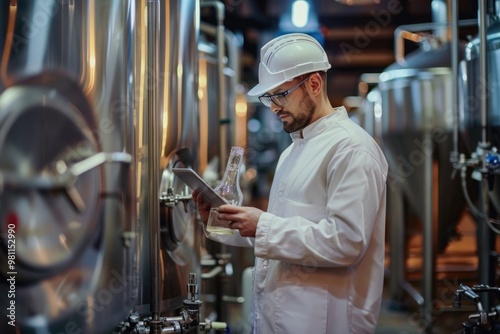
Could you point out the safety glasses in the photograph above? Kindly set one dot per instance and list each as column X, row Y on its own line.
column 279, row 99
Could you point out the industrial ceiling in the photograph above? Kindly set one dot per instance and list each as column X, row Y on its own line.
column 359, row 38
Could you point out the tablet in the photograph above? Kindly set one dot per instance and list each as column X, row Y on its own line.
column 194, row 181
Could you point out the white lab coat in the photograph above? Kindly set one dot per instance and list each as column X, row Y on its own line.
column 319, row 248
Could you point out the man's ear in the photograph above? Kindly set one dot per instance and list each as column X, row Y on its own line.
column 316, row 84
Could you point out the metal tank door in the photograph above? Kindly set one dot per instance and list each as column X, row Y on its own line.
column 51, row 184
column 49, row 197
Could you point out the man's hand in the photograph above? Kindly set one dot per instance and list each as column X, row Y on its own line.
column 242, row 218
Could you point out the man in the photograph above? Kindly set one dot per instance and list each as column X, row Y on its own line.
column 319, row 248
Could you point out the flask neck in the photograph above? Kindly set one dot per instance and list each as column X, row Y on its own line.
column 233, row 163
column 229, row 187
column 231, row 176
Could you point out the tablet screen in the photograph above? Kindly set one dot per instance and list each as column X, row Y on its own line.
column 194, row 181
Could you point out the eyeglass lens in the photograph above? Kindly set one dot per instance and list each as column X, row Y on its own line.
column 278, row 100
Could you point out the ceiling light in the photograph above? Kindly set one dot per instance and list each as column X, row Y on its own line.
column 359, row 2
column 300, row 13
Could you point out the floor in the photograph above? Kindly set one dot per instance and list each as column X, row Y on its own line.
column 398, row 319
column 458, row 264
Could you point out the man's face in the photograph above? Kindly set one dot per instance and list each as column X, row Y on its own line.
column 298, row 111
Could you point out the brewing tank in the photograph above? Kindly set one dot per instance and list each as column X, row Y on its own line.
column 76, row 160
column 417, row 123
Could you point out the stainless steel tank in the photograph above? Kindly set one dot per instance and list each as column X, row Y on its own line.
column 77, row 159
column 417, row 123
column 473, row 127
column 417, row 131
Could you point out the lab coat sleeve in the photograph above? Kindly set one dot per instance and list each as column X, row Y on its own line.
column 355, row 184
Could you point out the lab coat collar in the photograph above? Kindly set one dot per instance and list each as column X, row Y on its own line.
column 339, row 113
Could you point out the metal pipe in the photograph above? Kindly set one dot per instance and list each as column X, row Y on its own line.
column 440, row 15
column 484, row 234
column 403, row 30
column 397, row 240
column 129, row 174
column 213, row 273
column 454, row 77
column 233, row 72
column 5, row 57
column 153, row 155
column 223, row 114
column 428, row 238
column 220, row 38
column 483, row 70
column 169, row 329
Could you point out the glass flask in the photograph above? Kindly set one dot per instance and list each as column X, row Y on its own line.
column 229, row 189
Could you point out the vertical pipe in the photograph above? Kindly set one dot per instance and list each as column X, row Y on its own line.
column 397, row 243
column 483, row 68
column 222, row 82
column 130, row 194
column 224, row 125
column 428, row 238
column 484, row 233
column 440, row 17
column 233, row 61
column 486, row 261
column 454, row 77
column 153, row 156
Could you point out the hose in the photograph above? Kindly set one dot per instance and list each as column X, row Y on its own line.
column 474, row 210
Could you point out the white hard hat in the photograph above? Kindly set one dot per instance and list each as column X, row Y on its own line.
column 287, row 57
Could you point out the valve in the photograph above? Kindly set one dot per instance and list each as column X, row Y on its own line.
column 170, row 200
column 482, row 321
column 188, row 320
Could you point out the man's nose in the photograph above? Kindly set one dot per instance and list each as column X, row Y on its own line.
column 275, row 108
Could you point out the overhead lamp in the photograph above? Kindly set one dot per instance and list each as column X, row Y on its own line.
column 300, row 13
column 301, row 17
column 359, row 2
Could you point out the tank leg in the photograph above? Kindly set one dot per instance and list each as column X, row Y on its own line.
column 485, row 246
column 397, row 244
column 428, row 278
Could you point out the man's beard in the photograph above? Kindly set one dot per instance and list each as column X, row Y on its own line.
column 302, row 119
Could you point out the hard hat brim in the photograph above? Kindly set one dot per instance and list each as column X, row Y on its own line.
column 260, row 89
